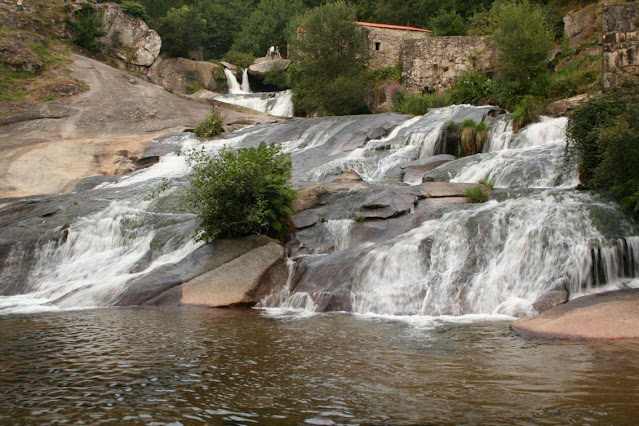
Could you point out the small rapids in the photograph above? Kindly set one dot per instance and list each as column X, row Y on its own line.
column 434, row 258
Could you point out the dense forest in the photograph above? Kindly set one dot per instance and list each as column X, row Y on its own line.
column 249, row 27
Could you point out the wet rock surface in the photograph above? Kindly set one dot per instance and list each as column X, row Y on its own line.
column 604, row 316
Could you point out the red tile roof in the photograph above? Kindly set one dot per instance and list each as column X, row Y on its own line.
column 393, row 27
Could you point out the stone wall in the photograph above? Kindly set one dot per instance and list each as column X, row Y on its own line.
column 434, row 64
column 620, row 43
column 385, row 45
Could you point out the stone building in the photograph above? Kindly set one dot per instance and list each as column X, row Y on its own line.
column 435, row 64
column 386, row 42
column 429, row 63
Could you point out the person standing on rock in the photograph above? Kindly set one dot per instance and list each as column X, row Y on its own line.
column 20, row 7
column 278, row 55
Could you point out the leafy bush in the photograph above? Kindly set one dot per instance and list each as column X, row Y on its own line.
column 86, row 26
column 135, row 9
column 241, row 193
column 211, row 127
column 473, row 137
column 418, row 103
column 527, row 111
column 448, row 24
column 241, row 59
column 472, row 88
column 603, row 135
column 477, row 195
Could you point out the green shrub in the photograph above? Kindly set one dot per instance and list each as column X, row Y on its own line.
column 477, row 195
column 418, row 103
column 135, row 9
column 603, row 135
column 278, row 79
column 472, row 88
column 527, row 111
column 86, row 26
column 192, row 88
column 241, row 193
column 241, row 59
column 211, row 127
column 486, row 183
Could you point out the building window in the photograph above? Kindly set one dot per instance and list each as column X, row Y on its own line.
column 377, row 43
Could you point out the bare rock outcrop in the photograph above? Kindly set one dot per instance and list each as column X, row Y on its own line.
column 176, row 73
column 128, row 37
column 262, row 66
column 240, row 281
column 582, row 24
column 604, row 316
column 565, row 107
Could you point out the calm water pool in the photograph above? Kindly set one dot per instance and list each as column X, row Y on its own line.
column 244, row 366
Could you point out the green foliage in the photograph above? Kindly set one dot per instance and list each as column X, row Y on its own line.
column 241, row 59
column 10, row 82
column 418, row 103
column 86, row 26
column 278, row 79
column 448, row 24
column 486, row 183
column 330, row 55
column 211, row 127
column 524, row 40
column 241, row 193
column 192, row 88
column 135, row 9
column 387, row 74
column 182, row 30
column 472, row 88
column 267, row 26
column 477, row 195
column 527, row 111
column 603, row 134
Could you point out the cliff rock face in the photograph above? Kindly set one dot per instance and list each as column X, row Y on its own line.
column 582, row 24
column 177, row 73
column 621, row 43
column 129, row 37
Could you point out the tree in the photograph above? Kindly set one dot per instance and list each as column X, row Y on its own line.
column 448, row 24
column 86, row 26
column 182, row 30
column 330, row 56
column 266, row 26
column 242, row 192
column 524, row 40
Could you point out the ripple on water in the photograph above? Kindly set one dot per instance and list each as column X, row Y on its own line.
column 239, row 366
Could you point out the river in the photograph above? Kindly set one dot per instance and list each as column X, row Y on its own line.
column 189, row 366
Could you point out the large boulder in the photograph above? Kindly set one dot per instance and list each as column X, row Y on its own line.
column 252, row 263
column 176, row 73
column 239, row 281
column 603, row 316
column 565, row 107
column 128, row 37
column 262, row 66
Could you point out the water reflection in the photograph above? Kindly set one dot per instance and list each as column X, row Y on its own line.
column 199, row 365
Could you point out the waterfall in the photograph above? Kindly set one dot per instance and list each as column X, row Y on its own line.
column 231, row 81
column 279, row 104
column 492, row 259
column 246, row 87
column 438, row 259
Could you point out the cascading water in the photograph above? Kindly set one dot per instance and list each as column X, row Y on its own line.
column 492, row 258
column 231, row 81
column 279, row 104
column 246, row 87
